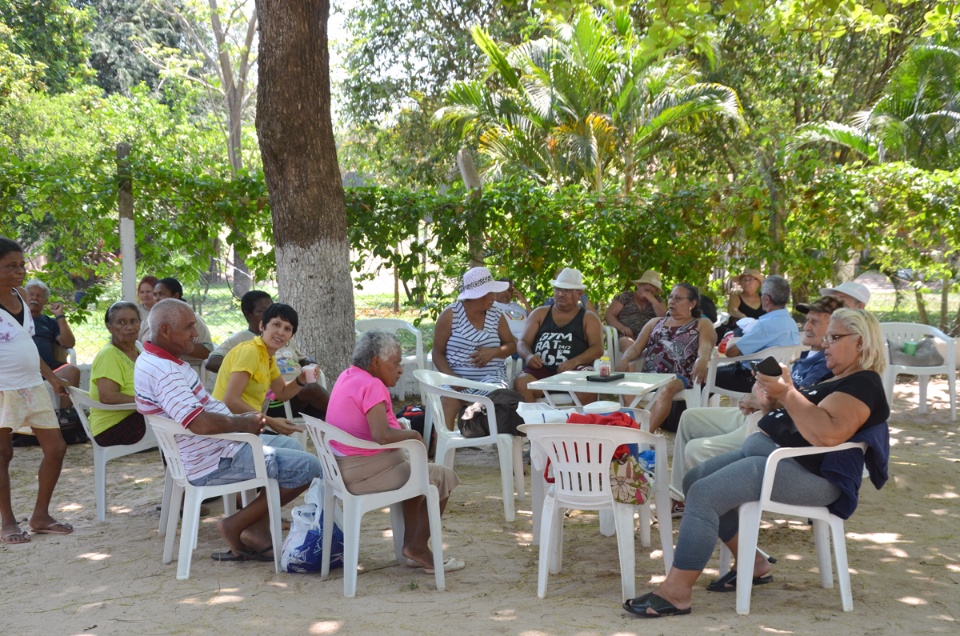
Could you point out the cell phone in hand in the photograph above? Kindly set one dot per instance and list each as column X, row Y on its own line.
column 769, row 366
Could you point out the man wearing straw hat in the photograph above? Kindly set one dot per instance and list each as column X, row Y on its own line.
column 559, row 338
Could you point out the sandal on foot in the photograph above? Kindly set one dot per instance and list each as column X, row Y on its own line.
column 57, row 527
column 450, row 564
column 243, row 555
column 651, row 601
column 15, row 538
column 728, row 582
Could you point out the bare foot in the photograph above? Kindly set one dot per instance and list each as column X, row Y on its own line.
column 257, row 536
column 422, row 559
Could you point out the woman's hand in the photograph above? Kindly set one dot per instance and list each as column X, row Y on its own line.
column 483, row 355
column 699, row 374
column 774, row 387
column 282, row 426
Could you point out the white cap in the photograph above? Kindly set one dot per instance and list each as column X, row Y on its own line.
column 850, row 288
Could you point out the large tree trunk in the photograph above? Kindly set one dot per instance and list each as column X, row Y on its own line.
column 300, row 165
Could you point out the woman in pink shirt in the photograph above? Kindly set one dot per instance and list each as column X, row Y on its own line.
column 360, row 404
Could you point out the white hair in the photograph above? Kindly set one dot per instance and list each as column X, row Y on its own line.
column 166, row 312
column 35, row 282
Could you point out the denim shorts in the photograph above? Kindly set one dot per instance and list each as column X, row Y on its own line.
column 286, row 462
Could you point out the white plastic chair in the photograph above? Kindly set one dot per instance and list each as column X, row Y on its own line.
column 711, row 393
column 301, row 438
column 167, row 431
column 611, row 344
column 355, row 506
column 580, row 456
column 823, row 521
column 416, row 360
column 509, row 447
column 103, row 454
column 896, row 333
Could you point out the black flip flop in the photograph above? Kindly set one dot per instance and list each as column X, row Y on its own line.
column 246, row 555
column 639, row 606
column 728, row 582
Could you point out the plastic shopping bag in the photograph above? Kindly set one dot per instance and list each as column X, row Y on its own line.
column 303, row 548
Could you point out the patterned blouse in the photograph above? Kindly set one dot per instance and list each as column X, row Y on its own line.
column 634, row 316
column 672, row 349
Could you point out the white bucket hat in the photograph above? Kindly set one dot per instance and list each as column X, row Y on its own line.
column 478, row 282
column 569, row 278
column 850, row 288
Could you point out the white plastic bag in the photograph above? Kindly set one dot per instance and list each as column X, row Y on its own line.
column 303, row 548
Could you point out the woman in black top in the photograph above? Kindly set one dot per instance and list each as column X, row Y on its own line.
column 851, row 404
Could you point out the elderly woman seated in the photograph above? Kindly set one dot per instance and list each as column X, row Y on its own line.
column 471, row 339
column 360, row 404
column 111, row 379
column 680, row 343
column 631, row 310
column 851, row 406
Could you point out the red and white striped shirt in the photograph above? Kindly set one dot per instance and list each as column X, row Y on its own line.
column 167, row 386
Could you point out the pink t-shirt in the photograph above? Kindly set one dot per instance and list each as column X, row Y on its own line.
column 353, row 395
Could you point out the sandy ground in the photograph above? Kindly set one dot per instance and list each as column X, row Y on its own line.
column 107, row 578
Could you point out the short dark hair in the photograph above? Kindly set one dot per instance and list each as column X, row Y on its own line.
column 9, row 246
column 117, row 306
column 696, row 312
column 173, row 285
column 283, row 312
column 249, row 300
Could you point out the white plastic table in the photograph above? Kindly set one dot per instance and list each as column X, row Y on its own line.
column 572, row 382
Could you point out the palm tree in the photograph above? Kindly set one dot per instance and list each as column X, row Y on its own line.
column 917, row 119
column 582, row 104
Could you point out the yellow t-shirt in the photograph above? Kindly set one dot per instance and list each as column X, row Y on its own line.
column 249, row 357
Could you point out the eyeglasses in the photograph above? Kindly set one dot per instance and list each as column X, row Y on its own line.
column 830, row 338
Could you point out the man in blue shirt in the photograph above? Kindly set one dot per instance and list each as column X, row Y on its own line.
column 776, row 328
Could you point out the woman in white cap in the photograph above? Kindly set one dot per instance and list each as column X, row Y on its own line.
column 631, row 310
column 471, row 339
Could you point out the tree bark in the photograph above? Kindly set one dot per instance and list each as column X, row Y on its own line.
column 303, row 177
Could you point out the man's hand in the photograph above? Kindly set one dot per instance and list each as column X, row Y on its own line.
column 534, row 361
column 568, row 365
column 55, row 308
column 282, row 426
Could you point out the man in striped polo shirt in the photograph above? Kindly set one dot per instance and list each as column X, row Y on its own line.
column 165, row 385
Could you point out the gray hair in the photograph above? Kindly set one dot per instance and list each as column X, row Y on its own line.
column 371, row 344
column 777, row 288
column 35, row 282
column 166, row 312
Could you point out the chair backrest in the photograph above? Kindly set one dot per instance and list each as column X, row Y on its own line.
column 896, row 333
column 432, row 392
column 166, row 431
column 580, row 455
column 394, row 325
column 83, row 403
column 611, row 344
column 320, row 433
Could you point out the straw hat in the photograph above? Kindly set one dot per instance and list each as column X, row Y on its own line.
column 649, row 277
column 478, row 282
column 752, row 272
column 569, row 278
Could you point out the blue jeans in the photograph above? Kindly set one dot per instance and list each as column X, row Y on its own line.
column 286, row 462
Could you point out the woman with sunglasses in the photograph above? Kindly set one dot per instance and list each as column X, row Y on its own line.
column 851, row 406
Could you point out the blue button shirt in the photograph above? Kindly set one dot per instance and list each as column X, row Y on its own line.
column 774, row 329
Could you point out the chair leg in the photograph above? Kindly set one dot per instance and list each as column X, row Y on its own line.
column 274, row 514
column 952, row 385
column 537, row 493
column 436, row 537
column 726, row 559
column 666, row 539
column 747, row 548
column 351, row 548
column 923, row 380
column 821, row 537
column 165, row 503
column 188, row 533
column 645, row 519
column 170, row 530
column 327, row 538
column 546, row 541
column 623, row 517
column 843, row 569
column 396, row 522
column 100, row 482
column 505, row 451
column 519, row 479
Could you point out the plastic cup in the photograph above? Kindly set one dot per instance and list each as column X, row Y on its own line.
column 310, row 373
column 910, row 348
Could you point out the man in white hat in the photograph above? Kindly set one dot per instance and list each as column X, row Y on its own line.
column 854, row 295
column 558, row 338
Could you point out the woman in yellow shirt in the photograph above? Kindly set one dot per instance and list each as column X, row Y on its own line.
column 249, row 369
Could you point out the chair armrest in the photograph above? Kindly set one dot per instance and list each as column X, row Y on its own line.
column 413, row 446
column 770, row 470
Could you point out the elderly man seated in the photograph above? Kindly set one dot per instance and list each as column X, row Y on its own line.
column 707, row 432
column 167, row 386
column 52, row 334
column 560, row 337
column 776, row 328
column 853, row 295
column 312, row 398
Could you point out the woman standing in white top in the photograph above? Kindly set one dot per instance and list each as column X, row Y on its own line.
column 25, row 401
